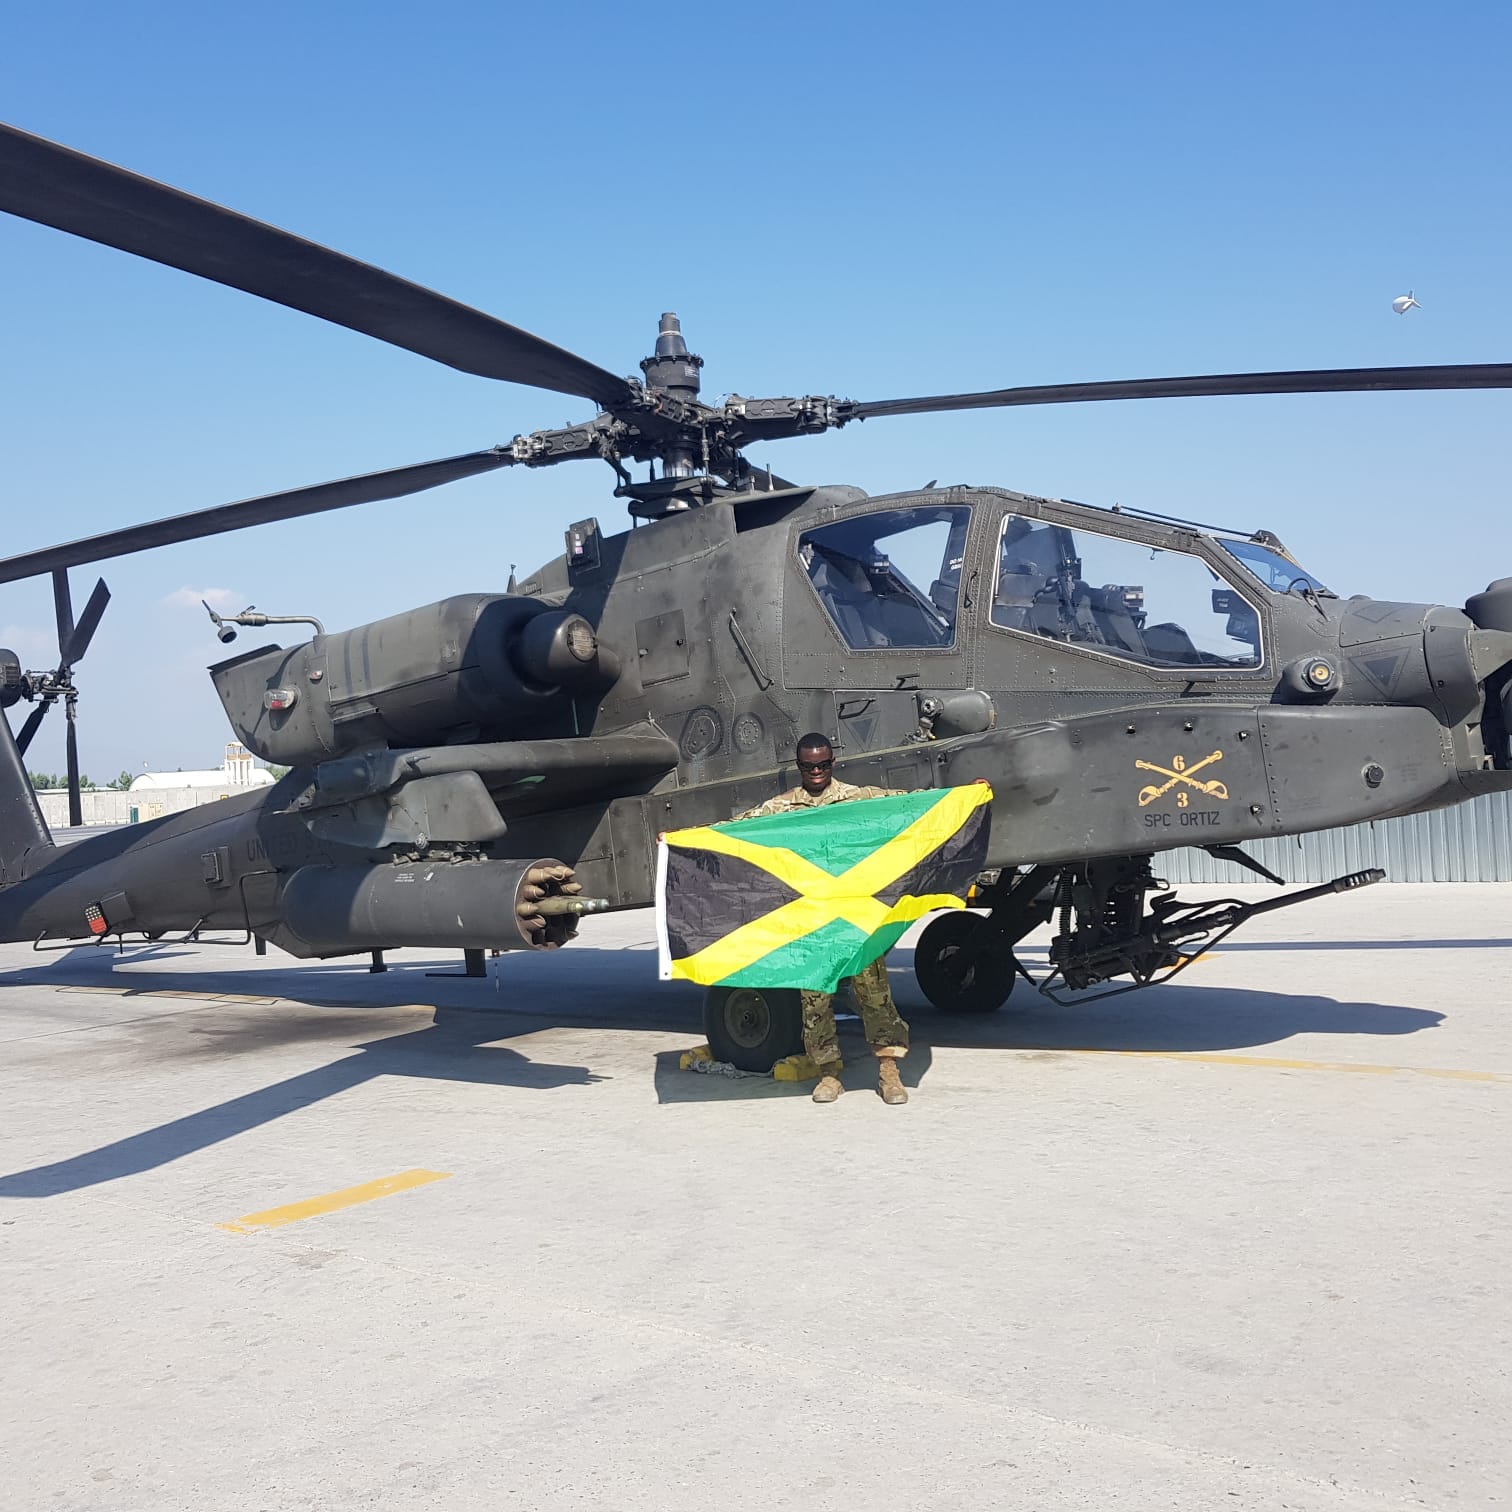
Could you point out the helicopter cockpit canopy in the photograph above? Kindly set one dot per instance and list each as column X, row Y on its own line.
column 1122, row 598
column 892, row 578
column 1273, row 566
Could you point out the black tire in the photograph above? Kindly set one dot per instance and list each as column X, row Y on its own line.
column 978, row 988
column 753, row 1027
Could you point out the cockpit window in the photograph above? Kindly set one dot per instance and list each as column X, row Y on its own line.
column 1123, row 598
column 892, row 578
column 1276, row 570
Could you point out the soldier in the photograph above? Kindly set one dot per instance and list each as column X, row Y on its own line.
column 885, row 1031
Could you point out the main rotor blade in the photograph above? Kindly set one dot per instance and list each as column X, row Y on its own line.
column 366, row 489
column 89, row 622
column 33, row 720
column 63, row 610
column 1481, row 375
column 56, row 186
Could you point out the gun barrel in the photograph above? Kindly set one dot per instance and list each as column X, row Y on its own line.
column 561, row 906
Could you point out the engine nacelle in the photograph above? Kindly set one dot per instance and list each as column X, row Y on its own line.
column 477, row 663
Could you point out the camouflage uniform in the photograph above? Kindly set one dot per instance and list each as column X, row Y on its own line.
column 799, row 798
column 885, row 1031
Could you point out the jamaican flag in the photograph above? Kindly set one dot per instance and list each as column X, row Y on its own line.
column 807, row 898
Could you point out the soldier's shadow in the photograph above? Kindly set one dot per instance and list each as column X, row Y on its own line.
column 674, row 1085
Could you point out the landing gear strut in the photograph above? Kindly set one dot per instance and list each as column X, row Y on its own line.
column 966, row 961
column 953, row 970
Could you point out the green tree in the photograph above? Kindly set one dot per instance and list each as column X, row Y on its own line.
column 121, row 783
column 41, row 780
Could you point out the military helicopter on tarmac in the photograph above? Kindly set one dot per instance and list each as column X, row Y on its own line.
column 477, row 773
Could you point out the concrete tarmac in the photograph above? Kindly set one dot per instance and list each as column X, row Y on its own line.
column 1240, row 1242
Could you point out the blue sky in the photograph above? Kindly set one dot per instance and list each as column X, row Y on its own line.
column 865, row 200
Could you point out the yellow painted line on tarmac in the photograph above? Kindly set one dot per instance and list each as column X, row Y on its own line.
column 331, row 1202
column 1278, row 1063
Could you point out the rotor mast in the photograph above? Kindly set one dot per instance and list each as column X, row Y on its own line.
column 674, row 370
column 674, row 427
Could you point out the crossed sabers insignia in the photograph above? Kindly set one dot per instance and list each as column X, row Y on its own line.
column 1180, row 773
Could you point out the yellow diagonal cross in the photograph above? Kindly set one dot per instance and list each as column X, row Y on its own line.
column 850, row 896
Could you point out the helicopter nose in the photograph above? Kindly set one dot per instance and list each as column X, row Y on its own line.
column 1492, row 610
column 1491, row 614
column 1456, row 664
column 1469, row 669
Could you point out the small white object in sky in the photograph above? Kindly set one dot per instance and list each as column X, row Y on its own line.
column 1404, row 302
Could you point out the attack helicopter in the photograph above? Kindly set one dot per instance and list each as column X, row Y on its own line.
column 479, row 773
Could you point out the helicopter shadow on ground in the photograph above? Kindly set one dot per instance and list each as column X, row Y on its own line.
column 1180, row 1017
column 1185, row 1015
column 340, row 1005
column 457, row 1043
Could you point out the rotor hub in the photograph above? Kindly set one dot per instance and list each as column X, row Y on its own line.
column 672, row 367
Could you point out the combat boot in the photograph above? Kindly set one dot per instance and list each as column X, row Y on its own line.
column 829, row 1088
column 889, row 1083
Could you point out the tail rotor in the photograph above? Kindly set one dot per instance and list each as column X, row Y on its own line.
column 44, row 689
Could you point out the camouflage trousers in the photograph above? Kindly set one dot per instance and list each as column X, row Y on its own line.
column 885, row 1031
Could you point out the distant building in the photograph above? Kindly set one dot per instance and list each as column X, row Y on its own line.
column 154, row 794
column 237, row 770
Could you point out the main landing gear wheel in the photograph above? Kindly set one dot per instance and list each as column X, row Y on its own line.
column 753, row 1027
column 976, row 984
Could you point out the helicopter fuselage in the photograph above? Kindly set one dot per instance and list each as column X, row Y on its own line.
column 1127, row 685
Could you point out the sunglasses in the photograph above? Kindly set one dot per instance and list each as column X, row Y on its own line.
column 816, row 766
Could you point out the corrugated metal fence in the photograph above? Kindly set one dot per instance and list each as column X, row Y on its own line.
column 1471, row 842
